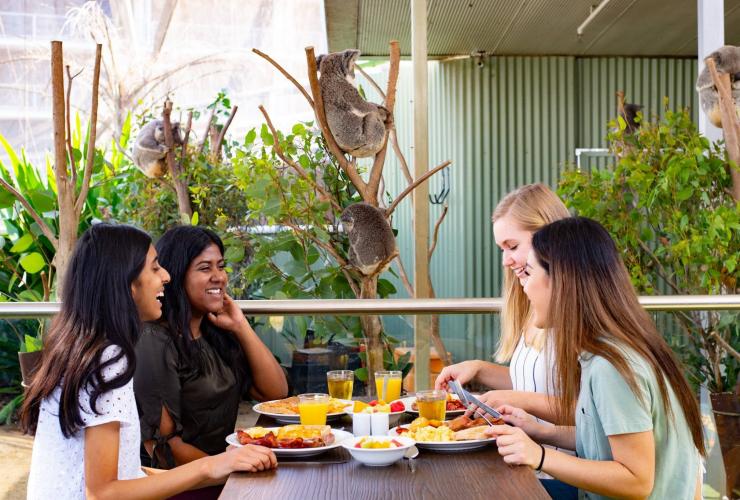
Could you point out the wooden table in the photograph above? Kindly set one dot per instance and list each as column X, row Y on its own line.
column 462, row 476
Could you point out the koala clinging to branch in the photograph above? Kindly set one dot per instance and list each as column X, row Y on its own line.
column 726, row 60
column 630, row 113
column 358, row 126
column 150, row 148
column 371, row 240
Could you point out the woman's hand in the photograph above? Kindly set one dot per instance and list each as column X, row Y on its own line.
column 523, row 420
column 230, row 317
column 462, row 372
column 249, row 458
column 515, row 446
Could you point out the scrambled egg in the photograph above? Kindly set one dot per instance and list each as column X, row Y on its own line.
column 429, row 433
column 257, row 432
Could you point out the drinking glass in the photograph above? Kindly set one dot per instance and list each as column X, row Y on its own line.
column 388, row 385
column 432, row 404
column 340, row 383
column 313, row 408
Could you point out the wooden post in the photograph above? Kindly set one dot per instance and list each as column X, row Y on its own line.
column 422, row 323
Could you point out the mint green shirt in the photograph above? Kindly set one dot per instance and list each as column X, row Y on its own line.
column 607, row 407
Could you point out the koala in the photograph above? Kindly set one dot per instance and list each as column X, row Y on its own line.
column 371, row 240
column 727, row 60
column 150, row 149
column 358, row 126
column 630, row 113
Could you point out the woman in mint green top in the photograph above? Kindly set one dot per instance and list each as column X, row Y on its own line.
column 637, row 427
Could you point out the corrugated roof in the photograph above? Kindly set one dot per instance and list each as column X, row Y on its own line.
column 525, row 27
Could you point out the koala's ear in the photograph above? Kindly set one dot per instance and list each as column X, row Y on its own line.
column 318, row 61
column 349, row 57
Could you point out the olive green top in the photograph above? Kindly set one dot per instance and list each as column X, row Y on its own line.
column 202, row 403
column 608, row 407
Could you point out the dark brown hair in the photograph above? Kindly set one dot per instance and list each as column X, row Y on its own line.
column 594, row 308
column 98, row 311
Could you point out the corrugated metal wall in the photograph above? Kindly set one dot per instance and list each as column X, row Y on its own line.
column 516, row 120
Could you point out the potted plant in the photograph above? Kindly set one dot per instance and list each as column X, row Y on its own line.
column 667, row 203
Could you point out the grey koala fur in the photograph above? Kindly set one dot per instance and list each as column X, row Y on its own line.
column 150, row 148
column 727, row 60
column 358, row 126
column 371, row 240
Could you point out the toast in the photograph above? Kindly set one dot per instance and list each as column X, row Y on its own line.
column 470, row 433
column 316, row 435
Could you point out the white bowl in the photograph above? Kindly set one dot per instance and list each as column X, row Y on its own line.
column 378, row 457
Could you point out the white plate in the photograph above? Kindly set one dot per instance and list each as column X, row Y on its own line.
column 294, row 419
column 411, row 400
column 339, row 437
column 447, row 446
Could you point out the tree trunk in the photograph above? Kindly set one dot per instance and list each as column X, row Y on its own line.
column 372, row 329
column 65, row 188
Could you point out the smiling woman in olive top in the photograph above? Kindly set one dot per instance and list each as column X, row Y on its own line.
column 201, row 359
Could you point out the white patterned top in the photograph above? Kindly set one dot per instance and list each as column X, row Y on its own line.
column 58, row 463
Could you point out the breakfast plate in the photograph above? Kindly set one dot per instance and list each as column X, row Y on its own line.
column 285, row 410
column 339, row 437
column 446, row 446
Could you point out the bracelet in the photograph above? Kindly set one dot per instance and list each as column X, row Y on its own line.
column 542, row 460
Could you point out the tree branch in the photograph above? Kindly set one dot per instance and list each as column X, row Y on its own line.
column 202, row 144
column 288, row 161
column 93, row 134
column 186, row 139
column 69, row 126
column 372, row 82
column 413, row 186
column 401, row 159
column 181, row 188
column 727, row 347
column 430, row 252
column 32, row 212
column 320, row 113
column 390, row 101
column 287, row 75
column 219, row 141
column 729, row 123
column 404, row 277
column 661, row 270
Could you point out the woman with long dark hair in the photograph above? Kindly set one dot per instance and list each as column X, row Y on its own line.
column 80, row 404
column 637, row 429
column 200, row 359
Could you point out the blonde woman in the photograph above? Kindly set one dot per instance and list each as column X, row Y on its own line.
column 527, row 381
column 638, row 430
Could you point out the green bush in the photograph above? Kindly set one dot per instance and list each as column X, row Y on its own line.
column 667, row 204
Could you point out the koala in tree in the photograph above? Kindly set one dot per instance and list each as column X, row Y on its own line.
column 727, row 60
column 358, row 126
column 630, row 113
column 371, row 239
column 150, row 148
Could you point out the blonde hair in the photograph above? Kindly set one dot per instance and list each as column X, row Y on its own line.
column 531, row 207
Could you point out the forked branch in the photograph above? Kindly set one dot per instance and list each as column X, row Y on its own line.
column 413, row 186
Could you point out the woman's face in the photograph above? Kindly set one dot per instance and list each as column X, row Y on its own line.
column 536, row 283
column 205, row 281
column 148, row 287
column 514, row 242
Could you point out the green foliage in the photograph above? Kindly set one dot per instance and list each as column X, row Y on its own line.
column 666, row 202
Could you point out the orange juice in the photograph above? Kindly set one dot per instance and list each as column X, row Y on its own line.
column 393, row 387
column 432, row 410
column 313, row 408
column 340, row 389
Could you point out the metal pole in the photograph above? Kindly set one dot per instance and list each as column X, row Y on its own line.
column 711, row 36
column 422, row 324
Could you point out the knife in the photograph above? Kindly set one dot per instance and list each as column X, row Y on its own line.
column 469, row 399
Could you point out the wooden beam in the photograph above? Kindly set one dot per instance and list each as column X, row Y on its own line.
column 422, row 324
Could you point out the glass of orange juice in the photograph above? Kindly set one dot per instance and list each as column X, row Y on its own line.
column 432, row 404
column 340, row 383
column 313, row 408
column 388, row 385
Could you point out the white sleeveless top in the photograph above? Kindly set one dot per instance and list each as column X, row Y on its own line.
column 58, row 463
column 534, row 371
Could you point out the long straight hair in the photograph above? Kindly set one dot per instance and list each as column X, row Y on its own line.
column 98, row 311
column 530, row 207
column 594, row 308
column 177, row 249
